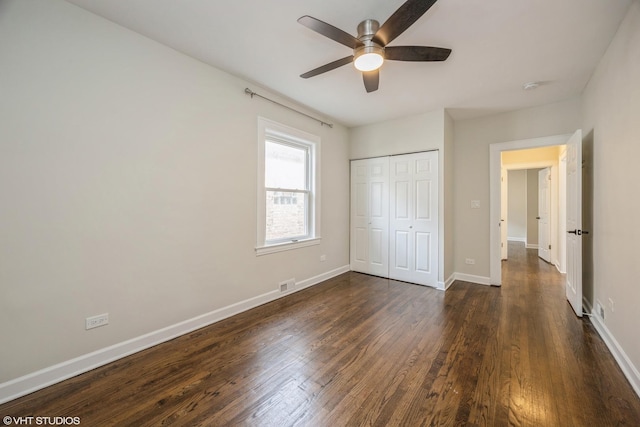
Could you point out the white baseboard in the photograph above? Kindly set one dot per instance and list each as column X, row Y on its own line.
column 480, row 280
column 531, row 246
column 321, row 277
column 629, row 370
column 449, row 281
column 517, row 239
column 48, row 376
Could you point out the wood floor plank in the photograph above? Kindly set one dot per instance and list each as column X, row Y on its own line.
column 361, row 350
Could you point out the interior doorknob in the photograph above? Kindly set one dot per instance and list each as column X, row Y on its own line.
column 578, row 232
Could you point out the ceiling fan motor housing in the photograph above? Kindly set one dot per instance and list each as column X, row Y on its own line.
column 366, row 31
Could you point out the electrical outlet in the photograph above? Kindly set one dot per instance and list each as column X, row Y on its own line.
column 611, row 305
column 96, row 321
column 323, row 258
column 470, row 261
column 475, row 204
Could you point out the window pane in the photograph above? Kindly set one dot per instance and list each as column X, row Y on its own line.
column 286, row 218
column 285, row 166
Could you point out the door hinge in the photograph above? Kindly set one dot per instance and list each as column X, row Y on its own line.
column 549, row 247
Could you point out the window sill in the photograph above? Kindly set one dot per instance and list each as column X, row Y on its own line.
column 281, row 247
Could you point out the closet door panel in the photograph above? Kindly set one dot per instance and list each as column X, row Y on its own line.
column 359, row 244
column 423, row 200
column 377, row 243
column 401, row 201
column 423, row 252
column 401, row 251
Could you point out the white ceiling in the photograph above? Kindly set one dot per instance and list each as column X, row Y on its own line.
column 497, row 46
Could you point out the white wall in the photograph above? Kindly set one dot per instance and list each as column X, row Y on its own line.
column 471, row 171
column 517, row 205
column 128, row 186
column 611, row 108
column 447, row 214
column 411, row 134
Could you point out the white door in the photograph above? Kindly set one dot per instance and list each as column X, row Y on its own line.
column 413, row 231
column 544, row 211
column 370, row 216
column 504, row 205
column 574, row 222
column 562, row 212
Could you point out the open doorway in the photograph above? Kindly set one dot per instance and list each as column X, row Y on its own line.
column 496, row 173
column 533, row 202
column 521, row 203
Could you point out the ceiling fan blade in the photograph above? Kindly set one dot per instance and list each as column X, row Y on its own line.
column 330, row 31
column 416, row 53
column 371, row 80
column 328, row 67
column 402, row 19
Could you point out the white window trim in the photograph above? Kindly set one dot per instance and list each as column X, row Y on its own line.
column 266, row 128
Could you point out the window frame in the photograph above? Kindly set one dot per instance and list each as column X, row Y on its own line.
column 269, row 130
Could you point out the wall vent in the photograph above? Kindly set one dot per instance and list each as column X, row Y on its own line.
column 287, row 285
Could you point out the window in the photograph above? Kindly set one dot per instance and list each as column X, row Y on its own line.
column 286, row 172
column 288, row 197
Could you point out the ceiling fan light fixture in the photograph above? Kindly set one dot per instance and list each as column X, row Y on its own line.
column 369, row 58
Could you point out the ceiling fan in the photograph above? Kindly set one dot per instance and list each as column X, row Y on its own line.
column 370, row 48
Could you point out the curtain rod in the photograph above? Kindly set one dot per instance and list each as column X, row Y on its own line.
column 252, row 94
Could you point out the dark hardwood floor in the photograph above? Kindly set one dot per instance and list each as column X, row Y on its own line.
column 361, row 350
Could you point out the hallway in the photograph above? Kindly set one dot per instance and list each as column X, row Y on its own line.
column 562, row 372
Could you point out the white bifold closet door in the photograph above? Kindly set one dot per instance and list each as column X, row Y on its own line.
column 370, row 216
column 394, row 217
column 413, row 217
